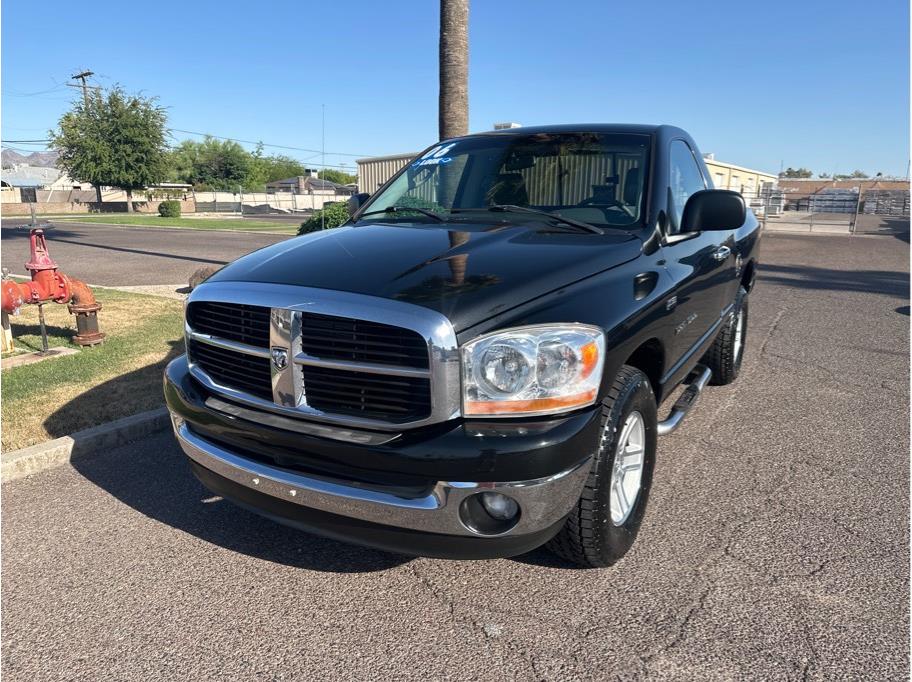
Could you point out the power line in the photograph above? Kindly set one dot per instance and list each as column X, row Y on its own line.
column 43, row 145
column 14, row 93
column 317, row 152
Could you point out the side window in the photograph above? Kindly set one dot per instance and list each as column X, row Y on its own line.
column 685, row 180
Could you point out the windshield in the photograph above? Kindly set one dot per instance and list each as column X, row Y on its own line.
column 591, row 177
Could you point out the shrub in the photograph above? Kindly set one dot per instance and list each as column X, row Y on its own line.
column 169, row 209
column 331, row 215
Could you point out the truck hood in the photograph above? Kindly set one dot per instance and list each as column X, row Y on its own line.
column 468, row 272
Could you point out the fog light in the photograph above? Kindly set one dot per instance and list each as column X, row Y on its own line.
column 499, row 506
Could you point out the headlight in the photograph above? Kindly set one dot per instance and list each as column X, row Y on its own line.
column 535, row 370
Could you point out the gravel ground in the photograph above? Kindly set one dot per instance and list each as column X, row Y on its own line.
column 776, row 545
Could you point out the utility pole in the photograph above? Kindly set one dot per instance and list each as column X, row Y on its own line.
column 323, row 161
column 81, row 76
column 85, row 88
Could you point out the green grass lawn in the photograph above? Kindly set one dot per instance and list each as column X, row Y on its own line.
column 119, row 378
column 248, row 224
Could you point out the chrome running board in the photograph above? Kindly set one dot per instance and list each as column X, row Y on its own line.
column 686, row 401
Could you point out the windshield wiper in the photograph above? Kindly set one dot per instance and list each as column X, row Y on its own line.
column 578, row 224
column 403, row 209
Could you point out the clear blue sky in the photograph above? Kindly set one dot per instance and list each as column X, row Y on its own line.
column 821, row 84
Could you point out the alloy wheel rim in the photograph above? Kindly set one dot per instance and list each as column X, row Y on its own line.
column 627, row 472
column 739, row 334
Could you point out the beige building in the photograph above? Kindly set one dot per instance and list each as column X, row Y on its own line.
column 738, row 178
column 376, row 170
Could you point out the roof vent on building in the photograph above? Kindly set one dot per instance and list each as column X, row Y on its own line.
column 507, row 125
column 710, row 156
column 311, row 173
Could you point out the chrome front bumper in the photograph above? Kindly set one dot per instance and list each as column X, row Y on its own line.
column 543, row 502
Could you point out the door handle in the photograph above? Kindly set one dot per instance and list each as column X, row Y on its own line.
column 722, row 253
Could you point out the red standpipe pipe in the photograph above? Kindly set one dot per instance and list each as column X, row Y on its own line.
column 84, row 306
column 49, row 284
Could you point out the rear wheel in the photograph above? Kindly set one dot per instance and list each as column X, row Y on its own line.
column 725, row 355
column 605, row 521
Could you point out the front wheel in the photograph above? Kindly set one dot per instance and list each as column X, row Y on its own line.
column 725, row 355
column 605, row 521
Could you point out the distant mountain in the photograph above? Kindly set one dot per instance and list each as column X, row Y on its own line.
column 46, row 159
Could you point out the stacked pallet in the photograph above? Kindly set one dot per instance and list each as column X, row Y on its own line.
column 834, row 200
column 887, row 202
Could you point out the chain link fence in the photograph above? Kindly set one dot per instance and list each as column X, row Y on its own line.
column 838, row 210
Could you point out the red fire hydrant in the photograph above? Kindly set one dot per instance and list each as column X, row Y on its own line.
column 49, row 284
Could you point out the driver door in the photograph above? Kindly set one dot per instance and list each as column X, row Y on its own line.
column 701, row 262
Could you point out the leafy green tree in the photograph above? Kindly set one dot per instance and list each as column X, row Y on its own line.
column 854, row 175
column 257, row 170
column 280, row 167
column 796, row 173
column 211, row 164
column 114, row 140
column 338, row 176
column 225, row 165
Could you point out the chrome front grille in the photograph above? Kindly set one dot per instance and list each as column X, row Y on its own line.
column 333, row 356
column 377, row 396
column 241, row 371
column 339, row 338
column 236, row 322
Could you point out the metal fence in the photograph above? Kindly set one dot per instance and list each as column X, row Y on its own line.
column 833, row 209
column 263, row 203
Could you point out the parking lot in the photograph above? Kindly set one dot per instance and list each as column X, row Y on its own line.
column 776, row 545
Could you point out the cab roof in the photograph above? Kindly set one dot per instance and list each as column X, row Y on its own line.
column 628, row 128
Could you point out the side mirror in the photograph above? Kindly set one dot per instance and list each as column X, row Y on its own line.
column 713, row 209
column 355, row 202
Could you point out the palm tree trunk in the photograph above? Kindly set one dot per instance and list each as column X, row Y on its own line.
column 454, row 68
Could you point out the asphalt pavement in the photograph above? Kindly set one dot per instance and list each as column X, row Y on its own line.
column 776, row 544
column 122, row 256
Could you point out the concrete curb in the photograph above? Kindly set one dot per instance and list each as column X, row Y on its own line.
column 176, row 227
column 31, row 460
column 808, row 228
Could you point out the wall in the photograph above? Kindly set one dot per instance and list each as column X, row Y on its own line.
column 44, row 208
column 264, row 202
column 796, row 187
column 85, row 196
column 10, row 195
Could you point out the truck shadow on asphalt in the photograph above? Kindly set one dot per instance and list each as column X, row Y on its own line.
column 152, row 476
column 885, row 282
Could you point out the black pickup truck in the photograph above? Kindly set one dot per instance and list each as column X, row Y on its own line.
column 473, row 365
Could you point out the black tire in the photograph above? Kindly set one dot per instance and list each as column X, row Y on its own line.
column 723, row 358
column 589, row 537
